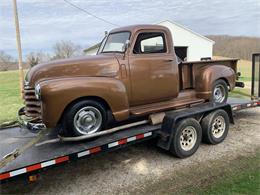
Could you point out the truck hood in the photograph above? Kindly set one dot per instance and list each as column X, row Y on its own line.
column 90, row 66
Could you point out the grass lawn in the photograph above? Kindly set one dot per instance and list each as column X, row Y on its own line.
column 242, row 177
column 10, row 100
column 230, row 177
column 240, row 93
column 245, row 67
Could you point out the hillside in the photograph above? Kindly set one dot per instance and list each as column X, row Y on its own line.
column 237, row 47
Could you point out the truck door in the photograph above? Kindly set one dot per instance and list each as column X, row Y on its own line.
column 153, row 69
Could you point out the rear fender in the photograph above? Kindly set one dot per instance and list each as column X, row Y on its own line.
column 206, row 76
column 57, row 94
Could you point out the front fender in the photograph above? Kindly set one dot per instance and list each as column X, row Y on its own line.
column 56, row 94
column 206, row 76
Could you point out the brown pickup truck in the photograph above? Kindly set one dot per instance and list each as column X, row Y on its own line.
column 135, row 73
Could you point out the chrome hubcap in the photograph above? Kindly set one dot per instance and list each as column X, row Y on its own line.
column 219, row 94
column 188, row 138
column 87, row 120
column 218, row 127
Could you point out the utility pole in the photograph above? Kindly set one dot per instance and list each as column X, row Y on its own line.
column 18, row 43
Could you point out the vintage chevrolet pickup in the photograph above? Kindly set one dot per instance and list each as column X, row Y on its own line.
column 135, row 73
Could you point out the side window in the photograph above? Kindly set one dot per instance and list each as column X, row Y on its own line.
column 150, row 42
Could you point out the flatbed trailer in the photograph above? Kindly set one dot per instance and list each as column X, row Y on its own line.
column 39, row 158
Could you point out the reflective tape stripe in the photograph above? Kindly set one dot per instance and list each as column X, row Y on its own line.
column 33, row 167
column 95, row 150
column 122, row 141
column 5, row 176
column 113, row 144
column 84, row 153
column 17, row 172
column 61, row 159
column 148, row 134
column 48, row 163
column 130, row 139
column 140, row 136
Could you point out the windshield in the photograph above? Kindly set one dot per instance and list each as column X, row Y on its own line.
column 115, row 42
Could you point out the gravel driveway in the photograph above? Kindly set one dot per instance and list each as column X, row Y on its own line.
column 134, row 168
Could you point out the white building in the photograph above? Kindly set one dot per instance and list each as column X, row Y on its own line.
column 188, row 44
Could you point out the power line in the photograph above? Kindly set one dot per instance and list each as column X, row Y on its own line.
column 87, row 12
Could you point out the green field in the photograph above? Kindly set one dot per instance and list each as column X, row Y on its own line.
column 10, row 100
column 241, row 176
column 245, row 67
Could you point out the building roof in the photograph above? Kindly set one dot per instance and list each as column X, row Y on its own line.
column 92, row 47
column 186, row 28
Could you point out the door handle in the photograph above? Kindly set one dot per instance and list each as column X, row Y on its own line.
column 168, row 60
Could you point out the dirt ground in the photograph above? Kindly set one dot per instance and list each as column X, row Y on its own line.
column 133, row 169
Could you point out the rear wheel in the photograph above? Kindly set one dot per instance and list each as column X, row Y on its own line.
column 215, row 127
column 84, row 117
column 220, row 91
column 186, row 138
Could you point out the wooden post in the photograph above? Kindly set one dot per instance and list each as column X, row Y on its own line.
column 18, row 43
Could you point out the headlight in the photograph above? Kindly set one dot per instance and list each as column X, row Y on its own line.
column 38, row 92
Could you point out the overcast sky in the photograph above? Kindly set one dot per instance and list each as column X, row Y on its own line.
column 43, row 22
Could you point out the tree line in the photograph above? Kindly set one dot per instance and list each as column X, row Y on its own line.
column 61, row 49
column 235, row 47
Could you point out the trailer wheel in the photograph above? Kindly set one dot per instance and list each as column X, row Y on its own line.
column 186, row 138
column 84, row 117
column 215, row 127
column 219, row 91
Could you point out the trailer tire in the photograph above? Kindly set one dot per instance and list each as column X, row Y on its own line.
column 90, row 112
column 186, row 138
column 215, row 127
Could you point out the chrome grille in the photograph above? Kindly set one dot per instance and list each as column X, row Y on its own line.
column 32, row 105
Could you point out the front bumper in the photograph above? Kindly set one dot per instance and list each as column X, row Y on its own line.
column 32, row 124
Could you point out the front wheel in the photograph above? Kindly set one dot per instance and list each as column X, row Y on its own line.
column 219, row 91
column 84, row 118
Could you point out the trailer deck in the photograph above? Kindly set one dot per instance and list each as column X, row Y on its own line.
column 42, row 157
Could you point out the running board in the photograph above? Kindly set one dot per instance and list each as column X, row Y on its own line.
column 163, row 106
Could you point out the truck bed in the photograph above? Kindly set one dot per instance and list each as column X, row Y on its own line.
column 188, row 70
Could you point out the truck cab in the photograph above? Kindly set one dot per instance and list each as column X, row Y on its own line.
column 135, row 73
column 147, row 62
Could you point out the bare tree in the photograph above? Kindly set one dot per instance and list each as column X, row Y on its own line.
column 66, row 49
column 5, row 61
column 36, row 58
